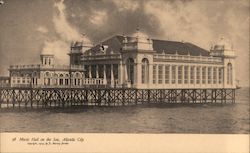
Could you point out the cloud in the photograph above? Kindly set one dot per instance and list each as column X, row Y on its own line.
column 66, row 31
column 126, row 5
column 98, row 17
column 180, row 21
column 59, row 48
column 42, row 29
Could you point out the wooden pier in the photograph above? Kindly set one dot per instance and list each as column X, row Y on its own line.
column 67, row 97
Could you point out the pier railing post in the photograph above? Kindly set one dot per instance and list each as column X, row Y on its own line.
column 136, row 91
column 31, row 97
column 13, row 98
column 1, row 97
column 148, row 95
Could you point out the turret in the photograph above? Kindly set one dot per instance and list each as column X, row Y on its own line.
column 224, row 49
column 77, row 49
column 138, row 41
column 47, row 59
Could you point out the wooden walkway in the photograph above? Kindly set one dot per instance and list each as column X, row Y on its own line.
column 67, row 97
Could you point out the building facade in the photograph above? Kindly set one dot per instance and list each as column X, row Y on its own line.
column 46, row 74
column 141, row 62
column 134, row 62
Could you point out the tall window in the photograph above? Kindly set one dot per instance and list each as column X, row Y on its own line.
column 86, row 67
column 93, row 71
column 115, row 71
column 47, row 78
column 55, row 79
column 100, row 71
column 198, row 75
column 220, row 75
column 61, row 79
column 78, row 80
column 209, row 75
column 160, row 74
column 229, row 74
column 145, row 71
column 66, row 79
column 179, row 74
column 130, row 70
column 167, row 75
column 214, row 75
column 154, row 74
column 173, row 74
column 204, row 75
column 192, row 75
column 186, row 74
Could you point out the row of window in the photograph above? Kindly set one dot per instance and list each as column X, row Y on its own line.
column 172, row 74
column 77, row 75
column 48, row 61
column 21, row 80
column 61, row 81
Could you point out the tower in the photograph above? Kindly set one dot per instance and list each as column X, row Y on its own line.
column 137, row 53
column 223, row 48
column 139, row 41
column 77, row 49
column 47, row 59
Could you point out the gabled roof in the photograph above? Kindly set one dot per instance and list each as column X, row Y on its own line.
column 115, row 44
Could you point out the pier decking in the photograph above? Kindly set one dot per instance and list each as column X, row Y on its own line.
column 93, row 96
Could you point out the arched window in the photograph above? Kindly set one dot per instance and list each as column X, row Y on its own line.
column 34, row 74
column 47, row 74
column 145, row 71
column 229, row 74
column 78, row 78
column 61, row 79
column 47, row 78
column 130, row 70
column 66, row 79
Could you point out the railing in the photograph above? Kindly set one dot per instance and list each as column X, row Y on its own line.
column 25, row 66
column 64, row 67
column 93, row 81
column 84, row 82
column 101, row 57
column 188, row 58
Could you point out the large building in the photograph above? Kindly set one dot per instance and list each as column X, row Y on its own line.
column 134, row 61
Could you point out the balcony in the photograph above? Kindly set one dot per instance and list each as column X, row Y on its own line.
column 201, row 59
column 37, row 66
column 102, row 57
column 52, row 67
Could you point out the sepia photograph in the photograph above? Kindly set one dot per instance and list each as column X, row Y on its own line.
column 124, row 67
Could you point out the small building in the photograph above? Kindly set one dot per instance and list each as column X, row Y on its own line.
column 46, row 74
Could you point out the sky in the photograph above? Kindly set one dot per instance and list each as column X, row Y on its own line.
column 30, row 27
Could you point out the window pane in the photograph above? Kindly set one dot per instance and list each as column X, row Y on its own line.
column 160, row 73
column 167, row 71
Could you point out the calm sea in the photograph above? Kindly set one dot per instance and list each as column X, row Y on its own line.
column 136, row 119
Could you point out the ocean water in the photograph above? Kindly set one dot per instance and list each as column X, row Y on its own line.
column 136, row 119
